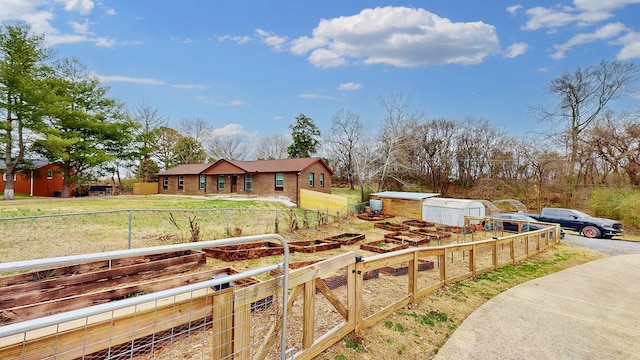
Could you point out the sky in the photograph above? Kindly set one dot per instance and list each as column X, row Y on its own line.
column 248, row 68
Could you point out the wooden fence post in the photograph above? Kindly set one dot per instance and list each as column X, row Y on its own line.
column 222, row 324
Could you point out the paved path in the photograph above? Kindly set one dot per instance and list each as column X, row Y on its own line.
column 591, row 311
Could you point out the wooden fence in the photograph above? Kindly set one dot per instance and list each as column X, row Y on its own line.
column 327, row 300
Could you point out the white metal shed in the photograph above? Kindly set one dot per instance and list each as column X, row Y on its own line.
column 450, row 212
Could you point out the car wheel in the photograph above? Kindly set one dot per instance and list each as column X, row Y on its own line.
column 591, row 232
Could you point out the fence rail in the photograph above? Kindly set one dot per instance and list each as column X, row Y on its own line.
column 44, row 236
column 298, row 313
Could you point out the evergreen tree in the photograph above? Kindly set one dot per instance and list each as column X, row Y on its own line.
column 305, row 136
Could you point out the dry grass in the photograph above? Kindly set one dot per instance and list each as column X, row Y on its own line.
column 420, row 329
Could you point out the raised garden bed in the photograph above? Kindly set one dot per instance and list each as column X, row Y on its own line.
column 458, row 229
column 418, row 223
column 435, row 234
column 51, row 285
column 245, row 251
column 423, row 265
column 373, row 216
column 391, row 226
column 332, row 282
column 32, row 303
column 313, row 245
column 383, row 246
column 411, row 238
column 346, row 238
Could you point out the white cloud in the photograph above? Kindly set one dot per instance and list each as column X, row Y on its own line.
column 278, row 118
column 516, row 49
column 40, row 14
column 398, row 36
column 602, row 5
column 240, row 40
column 232, row 130
column 603, row 33
column 350, row 86
column 630, row 46
column 314, row 96
column 514, row 9
column 213, row 101
column 540, row 17
column 127, row 79
column 110, row 12
column 271, row 39
column 81, row 28
column 84, row 7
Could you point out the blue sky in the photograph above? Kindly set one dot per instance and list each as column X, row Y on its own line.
column 248, row 68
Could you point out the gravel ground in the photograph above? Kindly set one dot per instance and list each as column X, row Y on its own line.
column 611, row 247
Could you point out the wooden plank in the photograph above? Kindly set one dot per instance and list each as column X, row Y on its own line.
column 29, row 293
column 242, row 331
column 321, row 268
column 331, row 297
column 222, row 323
column 69, row 340
column 56, row 306
column 309, row 314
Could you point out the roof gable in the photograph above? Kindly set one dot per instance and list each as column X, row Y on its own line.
column 266, row 166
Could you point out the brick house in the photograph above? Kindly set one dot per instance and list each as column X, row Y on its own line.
column 272, row 178
column 40, row 179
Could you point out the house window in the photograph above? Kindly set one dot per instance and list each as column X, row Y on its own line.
column 165, row 182
column 180, row 182
column 49, row 174
column 311, row 179
column 220, row 182
column 279, row 181
column 248, row 182
column 203, row 182
column 321, row 180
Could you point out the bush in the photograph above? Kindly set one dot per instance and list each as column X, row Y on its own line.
column 619, row 204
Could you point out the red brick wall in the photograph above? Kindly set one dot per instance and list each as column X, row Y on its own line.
column 42, row 186
column 263, row 184
column 190, row 186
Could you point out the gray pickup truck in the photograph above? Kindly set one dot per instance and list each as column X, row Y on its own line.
column 585, row 224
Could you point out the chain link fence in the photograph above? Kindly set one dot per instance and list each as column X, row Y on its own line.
column 37, row 237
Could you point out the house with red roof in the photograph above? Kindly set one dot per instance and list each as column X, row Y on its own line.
column 270, row 178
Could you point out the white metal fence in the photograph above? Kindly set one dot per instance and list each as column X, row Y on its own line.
column 194, row 321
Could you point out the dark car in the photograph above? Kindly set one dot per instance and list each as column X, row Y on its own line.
column 525, row 220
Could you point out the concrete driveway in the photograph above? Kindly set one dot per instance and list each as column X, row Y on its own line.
column 591, row 311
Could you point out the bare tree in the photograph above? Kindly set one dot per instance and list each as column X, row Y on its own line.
column 616, row 142
column 582, row 96
column 435, row 139
column 196, row 128
column 399, row 115
column 346, row 134
column 273, row 147
column 150, row 122
column 228, row 147
column 545, row 163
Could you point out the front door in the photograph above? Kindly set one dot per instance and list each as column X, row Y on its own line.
column 234, row 183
